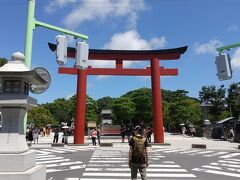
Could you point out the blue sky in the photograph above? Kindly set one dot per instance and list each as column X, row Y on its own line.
column 128, row 24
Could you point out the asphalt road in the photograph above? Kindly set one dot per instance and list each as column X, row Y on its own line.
column 88, row 163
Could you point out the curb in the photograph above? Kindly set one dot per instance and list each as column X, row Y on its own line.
column 159, row 144
column 106, row 144
column 202, row 146
column 70, row 144
column 57, row 145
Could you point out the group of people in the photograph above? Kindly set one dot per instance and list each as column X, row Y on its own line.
column 130, row 132
column 32, row 135
column 95, row 134
column 192, row 131
column 64, row 136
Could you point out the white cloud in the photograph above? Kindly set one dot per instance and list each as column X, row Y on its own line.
column 233, row 28
column 92, row 10
column 54, row 5
column 209, row 47
column 102, row 63
column 158, row 42
column 69, row 96
column 102, row 77
column 129, row 40
column 236, row 59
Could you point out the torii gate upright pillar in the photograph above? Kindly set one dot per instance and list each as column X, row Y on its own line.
column 80, row 107
column 157, row 102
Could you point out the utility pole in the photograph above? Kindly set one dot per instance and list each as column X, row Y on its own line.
column 32, row 23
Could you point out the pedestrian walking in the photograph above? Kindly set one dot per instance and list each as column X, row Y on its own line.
column 56, row 135
column 35, row 135
column 30, row 136
column 138, row 154
column 149, row 134
column 65, row 136
column 192, row 131
column 98, row 136
column 94, row 135
column 123, row 132
column 231, row 135
column 183, row 130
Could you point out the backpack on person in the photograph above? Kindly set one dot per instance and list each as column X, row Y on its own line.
column 139, row 151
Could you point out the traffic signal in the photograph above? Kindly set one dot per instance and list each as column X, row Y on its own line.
column 82, row 55
column 224, row 70
column 61, row 51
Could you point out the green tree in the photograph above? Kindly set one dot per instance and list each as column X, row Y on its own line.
column 3, row 61
column 40, row 117
column 216, row 97
column 233, row 99
column 167, row 120
column 142, row 99
column 91, row 110
column 61, row 109
column 123, row 109
column 103, row 104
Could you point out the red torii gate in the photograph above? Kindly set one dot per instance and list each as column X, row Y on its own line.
column 155, row 71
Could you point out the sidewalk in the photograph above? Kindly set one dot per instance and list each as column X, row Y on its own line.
column 175, row 141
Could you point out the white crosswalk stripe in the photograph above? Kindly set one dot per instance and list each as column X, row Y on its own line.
column 227, row 167
column 215, row 154
column 63, row 150
column 230, row 155
column 110, row 165
column 193, row 152
column 54, row 163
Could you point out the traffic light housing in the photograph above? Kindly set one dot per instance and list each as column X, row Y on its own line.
column 82, row 55
column 224, row 70
column 61, row 50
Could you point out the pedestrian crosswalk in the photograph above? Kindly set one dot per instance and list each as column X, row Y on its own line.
column 109, row 165
column 228, row 167
column 196, row 152
column 54, row 160
column 112, row 163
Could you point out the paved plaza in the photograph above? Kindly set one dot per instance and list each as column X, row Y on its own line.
column 174, row 160
column 176, row 141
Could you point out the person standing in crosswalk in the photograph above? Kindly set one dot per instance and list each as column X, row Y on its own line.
column 56, row 135
column 94, row 136
column 138, row 154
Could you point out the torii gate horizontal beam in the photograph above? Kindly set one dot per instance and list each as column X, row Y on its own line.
column 120, row 71
column 132, row 55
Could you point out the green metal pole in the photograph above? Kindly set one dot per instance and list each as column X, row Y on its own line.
column 28, row 42
column 227, row 48
column 29, row 32
column 62, row 30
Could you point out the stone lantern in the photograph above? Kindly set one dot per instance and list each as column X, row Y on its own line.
column 16, row 160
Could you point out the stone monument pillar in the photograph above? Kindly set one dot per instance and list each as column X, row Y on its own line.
column 17, row 162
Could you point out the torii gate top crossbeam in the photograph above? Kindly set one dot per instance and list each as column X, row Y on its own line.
column 99, row 54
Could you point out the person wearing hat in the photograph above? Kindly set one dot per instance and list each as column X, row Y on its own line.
column 138, row 154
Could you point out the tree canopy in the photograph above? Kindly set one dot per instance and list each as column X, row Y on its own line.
column 136, row 106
